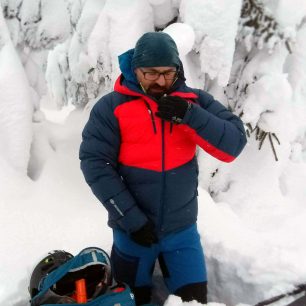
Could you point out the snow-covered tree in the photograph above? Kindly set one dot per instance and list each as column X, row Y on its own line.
column 84, row 67
column 36, row 26
column 16, row 107
column 268, row 56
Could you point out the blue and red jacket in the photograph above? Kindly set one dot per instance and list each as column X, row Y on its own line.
column 141, row 167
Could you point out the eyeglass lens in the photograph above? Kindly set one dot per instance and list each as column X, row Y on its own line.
column 154, row 75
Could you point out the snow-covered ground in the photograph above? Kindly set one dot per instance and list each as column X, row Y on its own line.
column 251, row 212
column 252, row 252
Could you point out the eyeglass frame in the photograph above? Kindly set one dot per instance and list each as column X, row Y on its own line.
column 159, row 74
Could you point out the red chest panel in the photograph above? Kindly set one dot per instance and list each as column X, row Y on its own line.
column 141, row 147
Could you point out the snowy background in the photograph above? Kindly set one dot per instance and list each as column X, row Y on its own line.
column 58, row 57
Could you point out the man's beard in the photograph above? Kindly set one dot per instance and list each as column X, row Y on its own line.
column 157, row 91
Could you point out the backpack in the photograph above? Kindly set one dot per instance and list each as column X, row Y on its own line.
column 81, row 280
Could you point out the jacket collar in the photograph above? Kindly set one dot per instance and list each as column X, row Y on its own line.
column 125, row 87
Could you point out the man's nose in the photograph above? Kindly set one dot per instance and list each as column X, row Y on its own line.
column 161, row 81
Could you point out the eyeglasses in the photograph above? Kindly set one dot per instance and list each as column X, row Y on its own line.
column 154, row 75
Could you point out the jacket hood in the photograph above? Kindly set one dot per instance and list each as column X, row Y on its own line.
column 125, row 64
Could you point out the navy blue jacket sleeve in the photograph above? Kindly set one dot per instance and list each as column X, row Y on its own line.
column 98, row 154
column 217, row 130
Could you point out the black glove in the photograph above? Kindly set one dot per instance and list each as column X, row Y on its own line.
column 145, row 236
column 172, row 108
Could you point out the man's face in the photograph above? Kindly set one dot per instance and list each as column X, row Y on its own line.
column 156, row 81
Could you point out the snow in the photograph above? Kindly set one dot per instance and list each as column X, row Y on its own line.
column 44, row 23
column 49, row 212
column 177, row 301
column 295, row 63
column 183, row 35
column 163, row 12
column 107, row 39
column 56, row 73
column 251, row 212
column 287, row 14
column 16, row 107
column 267, row 97
column 215, row 25
column 156, row 2
column 77, row 56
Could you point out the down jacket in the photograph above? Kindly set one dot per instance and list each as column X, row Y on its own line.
column 141, row 167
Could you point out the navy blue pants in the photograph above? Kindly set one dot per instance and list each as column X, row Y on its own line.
column 180, row 255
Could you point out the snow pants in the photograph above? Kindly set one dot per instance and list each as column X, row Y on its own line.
column 180, row 256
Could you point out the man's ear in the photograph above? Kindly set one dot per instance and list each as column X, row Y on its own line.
column 136, row 72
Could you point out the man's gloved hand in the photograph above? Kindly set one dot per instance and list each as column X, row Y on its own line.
column 145, row 236
column 172, row 108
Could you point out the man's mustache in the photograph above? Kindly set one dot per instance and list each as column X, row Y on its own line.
column 158, row 87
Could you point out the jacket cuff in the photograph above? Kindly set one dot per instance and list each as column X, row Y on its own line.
column 123, row 209
column 188, row 113
column 133, row 220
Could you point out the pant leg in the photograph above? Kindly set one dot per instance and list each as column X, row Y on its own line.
column 194, row 291
column 133, row 264
column 182, row 259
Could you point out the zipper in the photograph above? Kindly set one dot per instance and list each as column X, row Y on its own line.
column 161, row 204
column 152, row 116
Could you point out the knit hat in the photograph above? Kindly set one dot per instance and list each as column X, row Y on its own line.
column 155, row 49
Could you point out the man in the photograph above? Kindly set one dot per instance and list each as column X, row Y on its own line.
column 139, row 157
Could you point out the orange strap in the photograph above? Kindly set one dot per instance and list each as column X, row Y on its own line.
column 80, row 291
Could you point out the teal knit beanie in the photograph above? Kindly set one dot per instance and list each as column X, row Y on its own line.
column 155, row 49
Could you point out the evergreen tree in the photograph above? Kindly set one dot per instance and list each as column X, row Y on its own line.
column 36, row 26
column 259, row 32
